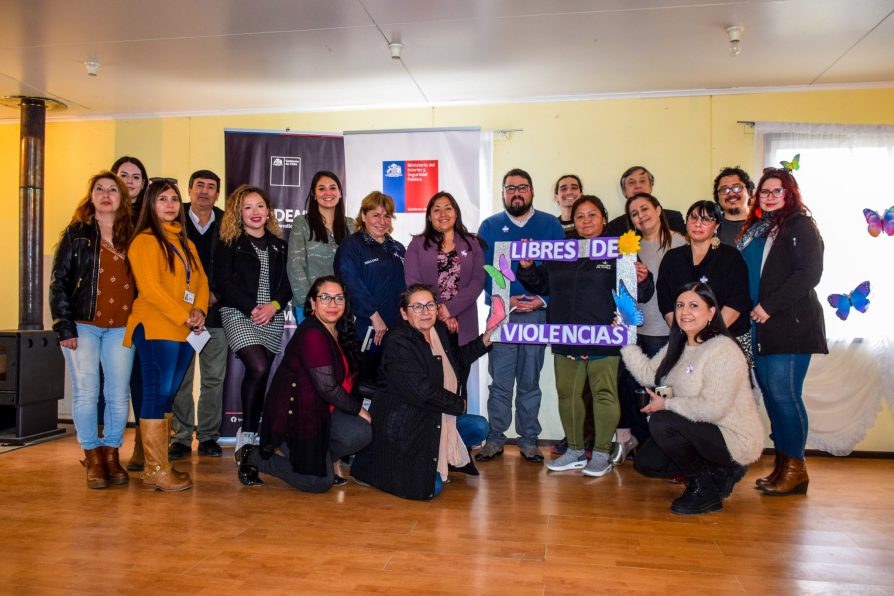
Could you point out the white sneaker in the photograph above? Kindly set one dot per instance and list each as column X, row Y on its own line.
column 572, row 459
column 599, row 465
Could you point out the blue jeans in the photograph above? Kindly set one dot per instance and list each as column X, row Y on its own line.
column 781, row 379
column 516, row 366
column 98, row 345
column 472, row 429
column 163, row 363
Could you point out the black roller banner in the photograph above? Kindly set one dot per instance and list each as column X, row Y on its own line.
column 283, row 164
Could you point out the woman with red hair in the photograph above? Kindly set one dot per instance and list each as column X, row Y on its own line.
column 783, row 250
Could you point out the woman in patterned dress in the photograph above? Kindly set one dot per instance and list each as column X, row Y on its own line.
column 250, row 274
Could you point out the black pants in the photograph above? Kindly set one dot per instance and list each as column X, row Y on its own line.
column 680, row 446
column 348, row 434
column 631, row 417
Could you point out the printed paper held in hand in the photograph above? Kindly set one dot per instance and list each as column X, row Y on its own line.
column 198, row 340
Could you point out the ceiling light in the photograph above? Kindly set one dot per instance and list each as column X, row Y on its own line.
column 396, row 49
column 735, row 39
column 92, row 67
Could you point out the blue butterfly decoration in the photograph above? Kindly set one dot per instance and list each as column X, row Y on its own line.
column 627, row 309
column 859, row 299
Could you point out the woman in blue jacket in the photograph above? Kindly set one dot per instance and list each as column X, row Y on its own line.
column 371, row 263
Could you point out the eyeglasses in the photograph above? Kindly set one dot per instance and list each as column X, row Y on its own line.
column 725, row 190
column 167, row 180
column 419, row 307
column 705, row 219
column 511, row 188
column 326, row 298
column 777, row 192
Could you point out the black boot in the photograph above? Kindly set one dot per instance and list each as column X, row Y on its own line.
column 248, row 472
column 701, row 496
column 725, row 478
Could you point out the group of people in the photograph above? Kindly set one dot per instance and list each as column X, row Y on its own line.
column 376, row 371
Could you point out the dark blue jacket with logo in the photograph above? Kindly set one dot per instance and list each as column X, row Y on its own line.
column 374, row 276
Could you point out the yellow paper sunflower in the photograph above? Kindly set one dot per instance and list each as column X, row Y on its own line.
column 628, row 243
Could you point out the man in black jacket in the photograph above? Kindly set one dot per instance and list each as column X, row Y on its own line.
column 634, row 180
column 203, row 227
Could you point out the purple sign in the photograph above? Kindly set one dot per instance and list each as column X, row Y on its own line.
column 544, row 250
column 603, row 249
column 600, row 249
column 572, row 335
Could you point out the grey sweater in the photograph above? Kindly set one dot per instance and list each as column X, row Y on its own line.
column 309, row 259
column 710, row 384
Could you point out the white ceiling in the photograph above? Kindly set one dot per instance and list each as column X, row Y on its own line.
column 207, row 56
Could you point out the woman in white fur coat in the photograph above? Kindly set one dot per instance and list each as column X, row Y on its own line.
column 709, row 431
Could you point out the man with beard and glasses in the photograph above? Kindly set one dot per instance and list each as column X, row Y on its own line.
column 732, row 191
column 516, row 365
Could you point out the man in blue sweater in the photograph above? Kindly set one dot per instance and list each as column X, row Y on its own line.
column 516, row 365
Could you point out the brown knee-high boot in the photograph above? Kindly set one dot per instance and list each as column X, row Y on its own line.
column 117, row 474
column 792, row 479
column 157, row 472
column 96, row 468
column 137, row 460
column 760, row 483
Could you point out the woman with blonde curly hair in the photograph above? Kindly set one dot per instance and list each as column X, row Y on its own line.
column 253, row 288
column 91, row 293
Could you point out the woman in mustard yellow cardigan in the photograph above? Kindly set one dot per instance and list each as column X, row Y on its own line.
column 172, row 299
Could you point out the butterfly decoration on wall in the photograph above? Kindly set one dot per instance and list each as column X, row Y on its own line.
column 794, row 164
column 498, row 312
column 628, row 311
column 877, row 223
column 502, row 274
column 858, row 299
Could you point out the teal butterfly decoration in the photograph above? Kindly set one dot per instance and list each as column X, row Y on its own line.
column 794, row 164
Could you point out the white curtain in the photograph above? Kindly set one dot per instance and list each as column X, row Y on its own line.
column 844, row 169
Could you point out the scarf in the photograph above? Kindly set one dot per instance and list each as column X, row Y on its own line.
column 759, row 229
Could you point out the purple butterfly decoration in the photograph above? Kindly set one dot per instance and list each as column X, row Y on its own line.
column 858, row 299
column 877, row 223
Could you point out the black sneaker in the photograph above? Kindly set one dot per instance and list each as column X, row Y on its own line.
column 210, row 448
column 178, row 451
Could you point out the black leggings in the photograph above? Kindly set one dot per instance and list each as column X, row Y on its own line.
column 257, row 361
column 681, row 446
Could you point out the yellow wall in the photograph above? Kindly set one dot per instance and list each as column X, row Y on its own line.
column 683, row 140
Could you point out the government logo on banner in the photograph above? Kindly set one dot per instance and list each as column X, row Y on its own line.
column 410, row 183
column 285, row 171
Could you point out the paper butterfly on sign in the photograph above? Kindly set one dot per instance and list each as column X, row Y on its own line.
column 877, row 223
column 498, row 313
column 502, row 274
column 628, row 311
column 859, row 299
column 794, row 164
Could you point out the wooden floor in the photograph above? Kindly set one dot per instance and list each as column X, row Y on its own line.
column 515, row 530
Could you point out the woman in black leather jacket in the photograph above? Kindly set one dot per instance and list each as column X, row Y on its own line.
column 91, row 292
column 253, row 289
